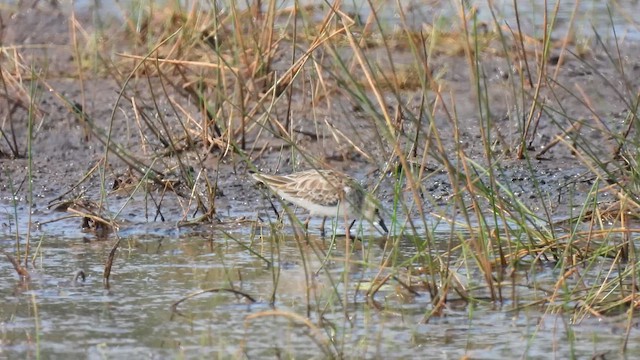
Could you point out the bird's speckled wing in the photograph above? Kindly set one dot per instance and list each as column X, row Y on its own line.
column 323, row 187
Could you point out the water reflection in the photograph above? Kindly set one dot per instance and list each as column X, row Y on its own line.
column 584, row 17
column 299, row 309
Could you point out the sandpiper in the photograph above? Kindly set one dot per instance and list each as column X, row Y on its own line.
column 325, row 192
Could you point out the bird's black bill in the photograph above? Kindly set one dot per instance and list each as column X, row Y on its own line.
column 383, row 226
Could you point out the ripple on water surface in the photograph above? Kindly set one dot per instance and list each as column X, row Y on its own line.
column 134, row 317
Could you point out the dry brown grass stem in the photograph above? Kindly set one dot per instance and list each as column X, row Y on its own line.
column 569, row 131
column 316, row 335
column 174, row 306
column 190, row 63
column 109, row 263
column 20, row 270
column 339, row 136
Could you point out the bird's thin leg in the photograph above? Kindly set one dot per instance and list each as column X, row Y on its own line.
column 306, row 225
column 324, row 220
column 349, row 228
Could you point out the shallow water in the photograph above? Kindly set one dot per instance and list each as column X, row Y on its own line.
column 53, row 315
column 588, row 17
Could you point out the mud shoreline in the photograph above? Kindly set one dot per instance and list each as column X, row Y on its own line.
column 63, row 153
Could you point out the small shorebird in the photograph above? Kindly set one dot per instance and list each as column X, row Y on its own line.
column 325, row 192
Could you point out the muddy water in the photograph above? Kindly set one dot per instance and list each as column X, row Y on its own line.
column 53, row 315
column 583, row 17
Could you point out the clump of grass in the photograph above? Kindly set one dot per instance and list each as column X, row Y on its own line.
column 504, row 232
column 16, row 101
column 222, row 67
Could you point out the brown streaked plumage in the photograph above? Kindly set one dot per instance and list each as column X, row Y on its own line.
column 324, row 192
